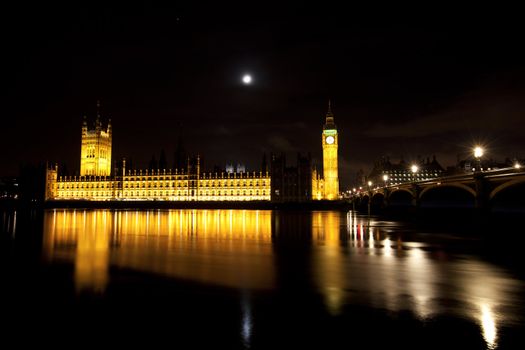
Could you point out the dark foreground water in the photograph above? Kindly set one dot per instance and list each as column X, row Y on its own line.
column 232, row 279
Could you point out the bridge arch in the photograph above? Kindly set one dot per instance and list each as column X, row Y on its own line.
column 378, row 199
column 361, row 201
column 506, row 185
column 451, row 195
column 400, row 197
column 378, row 194
column 398, row 190
column 453, row 184
column 366, row 195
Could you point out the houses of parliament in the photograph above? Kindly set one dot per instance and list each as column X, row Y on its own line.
column 279, row 183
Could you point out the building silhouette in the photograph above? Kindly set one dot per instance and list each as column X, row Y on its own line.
column 291, row 183
column 397, row 173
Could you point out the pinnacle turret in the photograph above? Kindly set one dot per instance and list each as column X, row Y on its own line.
column 329, row 122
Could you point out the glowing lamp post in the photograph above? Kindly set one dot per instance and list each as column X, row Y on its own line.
column 478, row 153
column 414, row 168
column 385, row 179
column 369, row 196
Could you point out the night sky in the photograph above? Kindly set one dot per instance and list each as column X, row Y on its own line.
column 401, row 84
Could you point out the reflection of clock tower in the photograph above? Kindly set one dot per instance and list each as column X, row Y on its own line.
column 330, row 168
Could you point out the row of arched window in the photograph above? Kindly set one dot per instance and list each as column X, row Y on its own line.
column 133, row 194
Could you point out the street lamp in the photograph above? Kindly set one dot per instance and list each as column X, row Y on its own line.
column 414, row 168
column 385, row 178
column 478, row 153
column 369, row 197
column 517, row 165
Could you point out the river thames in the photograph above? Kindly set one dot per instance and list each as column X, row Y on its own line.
column 255, row 279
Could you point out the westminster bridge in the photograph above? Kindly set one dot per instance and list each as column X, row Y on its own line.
column 502, row 189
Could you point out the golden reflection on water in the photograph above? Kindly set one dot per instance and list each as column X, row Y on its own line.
column 223, row 247
column 358, row 262
column 488, row 326
column 354, row 260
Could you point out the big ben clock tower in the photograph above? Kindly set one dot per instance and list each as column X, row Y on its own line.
column 330, row 167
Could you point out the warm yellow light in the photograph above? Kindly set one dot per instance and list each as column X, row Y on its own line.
column 385, row 177
column 414, row 168
column 252, row 187
column 517, row 166
column 488, row 326
column 330, row 167
column 478, row 152
column 369, row 183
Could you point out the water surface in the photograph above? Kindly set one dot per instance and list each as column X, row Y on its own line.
column 256, row 279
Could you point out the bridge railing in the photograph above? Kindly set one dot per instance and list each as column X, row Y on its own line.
column 496, row 173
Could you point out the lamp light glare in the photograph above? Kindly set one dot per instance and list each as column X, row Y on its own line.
column 478, row 152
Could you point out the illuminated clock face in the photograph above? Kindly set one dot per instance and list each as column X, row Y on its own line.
column 329, row 140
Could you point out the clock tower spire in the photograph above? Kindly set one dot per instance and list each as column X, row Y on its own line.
column 330, row 160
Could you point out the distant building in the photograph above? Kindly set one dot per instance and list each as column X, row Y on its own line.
column 9, row 188
column 239, row 168
column 31, row 183
column 186, row 181
column 397, row 173
column 291, row 183
column 486, row 164
column 327, row 187
column 95, row 154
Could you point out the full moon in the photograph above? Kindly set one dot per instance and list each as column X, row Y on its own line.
column 247, row 79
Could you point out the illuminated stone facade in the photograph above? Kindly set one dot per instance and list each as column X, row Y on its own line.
column 97, row 183
column 317, row 186
column 165, row 185
column 95, row 151
column 327, row 186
